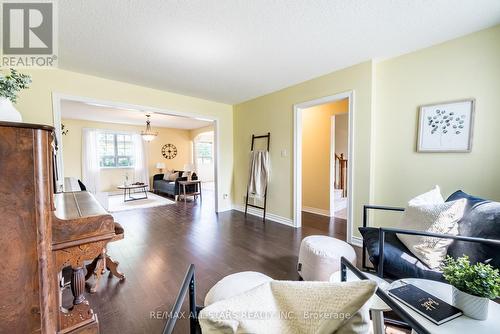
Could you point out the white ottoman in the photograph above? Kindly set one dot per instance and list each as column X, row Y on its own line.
column 319, row 257
column 235, row 284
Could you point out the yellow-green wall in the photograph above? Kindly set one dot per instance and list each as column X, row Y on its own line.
column 387, row 169
column 195, row 132
column 35, row 105
column 316, row 133
column 111, row 177
column 274, row 113
column 468, row 67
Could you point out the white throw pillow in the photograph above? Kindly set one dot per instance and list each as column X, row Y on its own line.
column 428, row 213
column 431, row 197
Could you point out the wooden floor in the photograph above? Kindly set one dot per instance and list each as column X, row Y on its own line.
column 161, row 242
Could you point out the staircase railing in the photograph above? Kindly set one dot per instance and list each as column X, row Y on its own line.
column 341, row 173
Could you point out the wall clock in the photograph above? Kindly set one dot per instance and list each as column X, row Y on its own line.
column 169, row 151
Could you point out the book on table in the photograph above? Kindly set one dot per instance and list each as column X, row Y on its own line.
column 429, row 306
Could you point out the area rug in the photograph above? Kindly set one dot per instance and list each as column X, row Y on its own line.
column 116, row 203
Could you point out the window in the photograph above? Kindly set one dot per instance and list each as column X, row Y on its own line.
column 203, row 152
column 116, row 150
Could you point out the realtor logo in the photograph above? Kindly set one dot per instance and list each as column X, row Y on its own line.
column 28, row 34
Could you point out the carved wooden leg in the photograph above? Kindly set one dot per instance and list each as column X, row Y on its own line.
column 78, row 285
column 91, row 268
column 96, row 269
column 99, row 270
column 112, row 266
column 79, row 317
column 80, row 314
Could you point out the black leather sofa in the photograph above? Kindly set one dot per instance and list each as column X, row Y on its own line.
column 479, row 238
column 172, row 188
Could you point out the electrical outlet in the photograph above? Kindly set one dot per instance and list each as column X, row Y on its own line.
column 284, row 153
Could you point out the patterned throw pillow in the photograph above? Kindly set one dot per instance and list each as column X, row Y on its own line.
column 428, row 212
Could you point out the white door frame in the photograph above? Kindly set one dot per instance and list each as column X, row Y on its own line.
column 56, row 109
column 333, row 177
column 297, row 156
column 193, row 155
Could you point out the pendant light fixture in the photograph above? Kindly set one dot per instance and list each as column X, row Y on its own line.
column 149, row 134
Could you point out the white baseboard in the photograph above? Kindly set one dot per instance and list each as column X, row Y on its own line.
column 269, row 216
column 224, row 209
column 356, row 241
column 316, row 211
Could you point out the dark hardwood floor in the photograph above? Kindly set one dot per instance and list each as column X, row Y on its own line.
column 161, row 242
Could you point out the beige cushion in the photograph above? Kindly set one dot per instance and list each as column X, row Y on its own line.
column 166, row 175
column 173, row 176
column 428, row 212
column 235, row 284
column 292, row 307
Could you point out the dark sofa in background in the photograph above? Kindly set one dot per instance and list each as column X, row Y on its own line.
column 480, row 223
column 172, row 188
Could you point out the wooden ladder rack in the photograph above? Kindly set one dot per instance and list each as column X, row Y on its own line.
column 268, row 137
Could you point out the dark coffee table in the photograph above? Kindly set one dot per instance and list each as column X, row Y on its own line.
column 129, row 187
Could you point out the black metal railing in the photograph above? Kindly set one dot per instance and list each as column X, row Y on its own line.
column 384, row 230
column 365, row 224
column 410, row 321
column 188, row 285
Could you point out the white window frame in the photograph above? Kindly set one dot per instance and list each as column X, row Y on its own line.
column 116, row 156
column 211, row 152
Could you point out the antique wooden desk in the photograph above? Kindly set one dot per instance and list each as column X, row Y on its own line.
column 81, row 228
column 37, row 241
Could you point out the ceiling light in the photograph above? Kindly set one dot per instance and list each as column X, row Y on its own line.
column 149, row 134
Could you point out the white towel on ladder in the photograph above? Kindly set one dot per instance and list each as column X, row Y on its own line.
column 259, row 173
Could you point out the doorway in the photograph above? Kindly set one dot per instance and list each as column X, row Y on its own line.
column 203, row 152
column 323, row 158
column 59, row 100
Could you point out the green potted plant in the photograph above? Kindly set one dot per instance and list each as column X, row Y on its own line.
column 10, row 85
column 473, row 285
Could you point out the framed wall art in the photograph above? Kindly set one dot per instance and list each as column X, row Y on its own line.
column 446, row 127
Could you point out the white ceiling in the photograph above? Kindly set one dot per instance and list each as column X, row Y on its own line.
column 98, row 113
column 234, row 50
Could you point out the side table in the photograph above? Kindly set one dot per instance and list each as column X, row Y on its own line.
column 196, row 192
